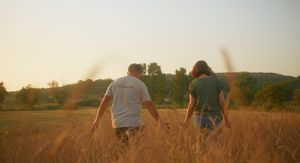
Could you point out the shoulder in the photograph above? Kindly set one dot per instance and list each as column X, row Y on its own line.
column 135, row 81
column 194, row 82
column 140, row 82
column 212, row 79
column 120, row 80
column 216, row 80
column 218, row 83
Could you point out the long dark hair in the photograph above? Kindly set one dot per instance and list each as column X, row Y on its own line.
column 201, row 67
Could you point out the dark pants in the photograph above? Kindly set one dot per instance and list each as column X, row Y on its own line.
column 208, row 122
column 125, row 133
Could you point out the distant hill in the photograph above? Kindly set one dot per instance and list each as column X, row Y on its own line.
column 99, row 86
column 266, row 78
column 88, row 93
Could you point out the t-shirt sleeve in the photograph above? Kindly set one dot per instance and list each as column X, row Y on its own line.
column 192, row 88
column 144, row 93
column 109, row 91
column 219, row 86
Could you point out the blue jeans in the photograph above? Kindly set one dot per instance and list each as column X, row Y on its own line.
column 208, row 122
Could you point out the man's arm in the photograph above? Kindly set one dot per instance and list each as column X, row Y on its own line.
column 152, row 109
column 102, row 107
column 154, row 113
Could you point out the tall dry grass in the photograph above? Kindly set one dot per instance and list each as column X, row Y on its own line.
column 50, row 136
column 64, row 136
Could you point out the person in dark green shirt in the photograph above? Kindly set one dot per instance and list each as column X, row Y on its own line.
column 206, row 98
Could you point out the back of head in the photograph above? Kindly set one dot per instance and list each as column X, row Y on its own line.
column 135, row 68
column 201, row 67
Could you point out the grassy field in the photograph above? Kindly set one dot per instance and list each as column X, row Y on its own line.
column 64, row 136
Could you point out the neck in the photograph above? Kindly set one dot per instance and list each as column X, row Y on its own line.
column 133, row 75
column 203, row 76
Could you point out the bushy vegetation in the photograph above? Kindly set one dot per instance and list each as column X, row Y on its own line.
column 267, row 91
column 3, row 93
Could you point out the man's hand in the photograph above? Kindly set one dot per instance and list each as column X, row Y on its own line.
column 164, row 126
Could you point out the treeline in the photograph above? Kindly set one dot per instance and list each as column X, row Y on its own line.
column 258, row 90
column 83, row 93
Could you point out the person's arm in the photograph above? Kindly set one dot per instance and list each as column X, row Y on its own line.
column 154, row 113
column 152, row 109
column 224, row 109
column 102, row 107
column 190, row 110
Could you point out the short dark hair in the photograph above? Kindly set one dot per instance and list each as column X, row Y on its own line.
column 134, row 67
column 201, row 67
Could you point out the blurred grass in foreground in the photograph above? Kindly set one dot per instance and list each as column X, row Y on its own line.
column 28, row 136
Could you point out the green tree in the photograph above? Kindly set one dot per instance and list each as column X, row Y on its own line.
column 296, row 97
column 53, row 84
column 77, row 93
column 144, row 66
column 155, row 81
column 180, row 83
column 28, row 96
column 248, row 86
column 274, row 95
column 154, row 69
column 53, row 91
column 3, row 93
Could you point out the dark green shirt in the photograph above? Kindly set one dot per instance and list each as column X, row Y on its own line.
column 206, row 93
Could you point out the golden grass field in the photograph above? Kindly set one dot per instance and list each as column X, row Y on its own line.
column 64, row 136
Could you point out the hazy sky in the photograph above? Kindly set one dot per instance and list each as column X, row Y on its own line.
column 62, row 40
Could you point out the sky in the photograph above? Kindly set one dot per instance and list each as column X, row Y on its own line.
column 72, row 40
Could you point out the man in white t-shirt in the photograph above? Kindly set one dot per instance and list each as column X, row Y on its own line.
column 128, row 95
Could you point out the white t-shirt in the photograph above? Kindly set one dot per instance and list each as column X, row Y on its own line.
column 128, row 93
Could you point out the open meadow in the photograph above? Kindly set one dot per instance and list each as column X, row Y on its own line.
column 64, row 136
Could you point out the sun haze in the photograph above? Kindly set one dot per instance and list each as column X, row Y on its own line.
column 62, row 40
